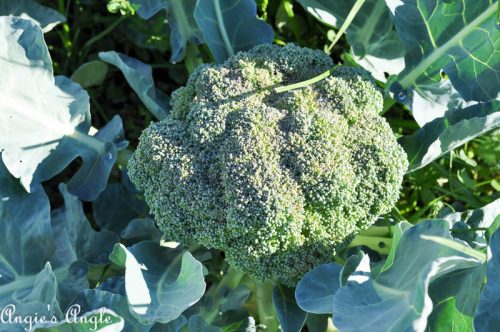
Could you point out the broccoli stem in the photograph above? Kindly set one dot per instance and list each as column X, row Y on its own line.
column 193, row 57
column 265, row 306
column 377, row 238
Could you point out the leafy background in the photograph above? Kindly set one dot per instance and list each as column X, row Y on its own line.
column 85, row 237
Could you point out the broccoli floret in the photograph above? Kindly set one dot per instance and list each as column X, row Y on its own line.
column 280, row 182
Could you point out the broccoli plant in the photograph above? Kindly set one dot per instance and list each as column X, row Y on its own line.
column 339, row 184
column 279, row 181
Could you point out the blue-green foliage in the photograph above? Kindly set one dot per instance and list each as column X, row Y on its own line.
column 181, row 21
column 160, row 283
column 46, row 17
column 443, row 134
column 34, row 276
column 371, row 35
column 56, row 114
column 290, row 315
column 226, row 26
column 316, row 290
column 118, row 204
column 397, row 298
column 487, row 318
column 440, row 289
column 230, row 26
column 439, row 275
column 140, row 78
column 456, row 37
column 459, row 37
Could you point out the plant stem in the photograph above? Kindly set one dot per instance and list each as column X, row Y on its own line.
column 474, row 229
column 354, row 10
column 498, row 13
column 352, row 14
column 265, row 306
column 382, row 245
column 193, row 58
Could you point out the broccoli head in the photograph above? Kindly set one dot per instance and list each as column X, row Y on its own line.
column 279, row 182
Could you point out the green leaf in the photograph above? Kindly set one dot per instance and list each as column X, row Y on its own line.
column 25, row 228
column 33, row 277
column 317, row 288
column 90, row 74
column 459, row 37
column 118, row 205
column 149, row 33
column 160, row 282
column 46, row 17
column 371, row 31
column 140, row 230
column 397, row 232
column 455, row 297
column 173, row 326
column 54, row 111
column 180, row 18
column 487, row 317
column 397, row 299
column 482, row 218
column 74, row 236
column 433, row 101
column 230, row 26
column 317, row 323
column 140, row 77
column 444, row 134
column 290, row 315
column 446, row 317
column 375, row 44
column 321, row 10
column 458, row 246
column 494, row 226
column 91, row 300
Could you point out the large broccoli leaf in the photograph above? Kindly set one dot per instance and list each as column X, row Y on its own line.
column 444, row 134
column 45, row 122
column 434, row 100
column 160, row 282
column 140, row 77
column 487, row 317
column 230, row 26
column 46, row 17
column 32, row 277
column 459, row 37
column 315, row 292
column 118, row 205
column 397, row 298
column 74, row 238
column 374, row 42
column 290, row 315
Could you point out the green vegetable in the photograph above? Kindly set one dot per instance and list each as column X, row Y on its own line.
column 280, row 182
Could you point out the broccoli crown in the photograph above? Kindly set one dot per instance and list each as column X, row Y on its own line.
column 279, row 182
